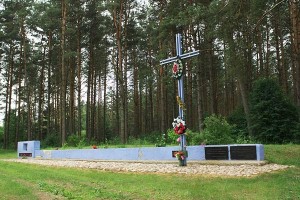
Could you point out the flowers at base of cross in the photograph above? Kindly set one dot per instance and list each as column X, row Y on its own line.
column 177, row 69
column 181, row 155
column 179, row 126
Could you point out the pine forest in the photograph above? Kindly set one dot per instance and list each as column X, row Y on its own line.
column 89, row 69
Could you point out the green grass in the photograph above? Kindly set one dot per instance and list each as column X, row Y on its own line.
column 7, row 154
column 283, row 154
column 23, row 181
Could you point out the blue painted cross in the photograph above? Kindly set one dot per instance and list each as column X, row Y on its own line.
column 179, row 57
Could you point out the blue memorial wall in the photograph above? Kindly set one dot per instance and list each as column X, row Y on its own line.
column 31, row 149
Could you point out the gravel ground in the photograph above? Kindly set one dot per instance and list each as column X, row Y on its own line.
column 240, row 169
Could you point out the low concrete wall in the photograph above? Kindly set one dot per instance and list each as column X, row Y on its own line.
column 31, row 149
column 138, row 154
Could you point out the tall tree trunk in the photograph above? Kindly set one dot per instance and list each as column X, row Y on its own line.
column 245, row 105
column 212, row 79
column 41, row 97
column 104, row 101
column 295, row 37
column 162, row 100
column 28, row 99
column 90, row 90
column 94, row 105
column 117, row 96
column 267, row 57
column 63, row 85
column 199, row 100
column 49, row 83
column 71, row 120
column 136, row 97
column 189, row 84
column 79, row 120
column 279, row 56
column 118, row 16
column 78, row 65
column 260, row 51
column 20, row 72
column 8, row 97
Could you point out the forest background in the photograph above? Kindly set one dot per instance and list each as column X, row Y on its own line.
column 89, row 70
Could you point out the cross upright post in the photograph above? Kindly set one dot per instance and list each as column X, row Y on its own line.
column 180, row 98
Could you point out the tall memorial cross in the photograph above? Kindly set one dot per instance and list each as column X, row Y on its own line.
column 180, row 99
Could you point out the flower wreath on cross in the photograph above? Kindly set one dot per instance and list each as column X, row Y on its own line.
column 177, row 69
column 179, row 126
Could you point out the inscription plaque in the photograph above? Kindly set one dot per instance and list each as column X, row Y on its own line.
column 216, row 153
column 243, row 152
column 25, row 154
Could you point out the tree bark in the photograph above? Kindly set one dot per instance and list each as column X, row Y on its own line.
column 78, row 63
column 136, row 97
column 41, row 97
column 295, row 38
column 245, row 105
column 63, row 85
column 8, row 97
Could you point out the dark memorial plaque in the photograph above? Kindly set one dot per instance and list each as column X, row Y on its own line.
column 243, row 152
column 216, row 153
column 25, row 154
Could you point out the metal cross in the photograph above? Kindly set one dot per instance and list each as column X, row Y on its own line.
column 180, row 56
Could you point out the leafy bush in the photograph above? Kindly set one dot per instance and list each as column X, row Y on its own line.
column 152, row 137
column 73, row 140
column 217, row 130
column 161, row 141
column 242, row 139
column 195, row 138
column 172, row 136
column 76, row 141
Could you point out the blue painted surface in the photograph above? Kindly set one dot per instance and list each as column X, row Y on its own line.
column 195, row 153
column 139, row 154
column 32, row 147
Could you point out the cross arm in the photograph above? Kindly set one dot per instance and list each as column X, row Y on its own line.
column 190, row 54
column 183, row 56
column 168, row 60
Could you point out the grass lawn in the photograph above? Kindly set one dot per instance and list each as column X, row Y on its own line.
column 22, row 181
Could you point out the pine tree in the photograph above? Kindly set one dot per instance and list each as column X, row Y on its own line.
column 274, row 118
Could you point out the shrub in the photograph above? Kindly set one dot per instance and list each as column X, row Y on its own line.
column 73, row 140
column 172, row 136
column 151, row 137
column 161, row 141
column 217, row 130
column 195, row 138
